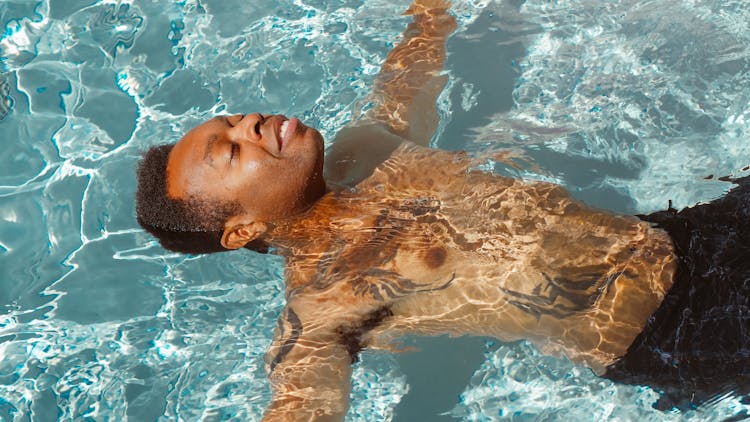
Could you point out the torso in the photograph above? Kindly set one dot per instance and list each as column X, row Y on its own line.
column 434, row 247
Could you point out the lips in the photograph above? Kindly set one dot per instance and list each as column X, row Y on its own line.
column 277, row 130
column 291, row 129
column 285, row 129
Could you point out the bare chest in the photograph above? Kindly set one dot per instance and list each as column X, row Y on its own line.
column 400, row 251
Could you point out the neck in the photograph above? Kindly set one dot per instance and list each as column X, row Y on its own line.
column 313, row 229
column 307, row 239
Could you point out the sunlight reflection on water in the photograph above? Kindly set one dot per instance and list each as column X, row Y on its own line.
column 615, row 101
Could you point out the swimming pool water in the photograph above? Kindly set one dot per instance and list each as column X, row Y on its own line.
column 626, row 103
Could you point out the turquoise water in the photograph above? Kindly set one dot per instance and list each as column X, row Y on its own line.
column 626, row 103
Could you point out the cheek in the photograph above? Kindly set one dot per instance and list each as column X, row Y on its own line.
column 239, row 179
column 249, row 171
column 275, row 188
column 250, row 166
column 288, row 185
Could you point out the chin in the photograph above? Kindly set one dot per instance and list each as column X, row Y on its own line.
column 316, row 137
column 317, row 140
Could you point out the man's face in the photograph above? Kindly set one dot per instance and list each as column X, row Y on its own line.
column 270, row 165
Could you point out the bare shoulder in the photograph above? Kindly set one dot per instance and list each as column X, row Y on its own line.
column 357, row 151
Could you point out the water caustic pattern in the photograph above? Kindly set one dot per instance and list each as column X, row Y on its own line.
column 626, row 103
column 491, row 256
column 656, row 89
column 97, row 320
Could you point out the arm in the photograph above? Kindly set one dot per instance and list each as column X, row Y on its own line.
column 404, row 97
column 309, row 372
column 407, row 87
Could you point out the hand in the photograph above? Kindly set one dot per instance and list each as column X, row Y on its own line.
column 421, row 6
column 432, row 17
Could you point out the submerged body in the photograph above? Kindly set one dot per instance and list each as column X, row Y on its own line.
column 388, row 238
column 455, row 250
column 460, row 251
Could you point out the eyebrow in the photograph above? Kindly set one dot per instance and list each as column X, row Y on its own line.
column 207, row 157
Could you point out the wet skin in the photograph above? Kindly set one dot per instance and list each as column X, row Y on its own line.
column 245, row 159
column 410, row 240
column 424, row 245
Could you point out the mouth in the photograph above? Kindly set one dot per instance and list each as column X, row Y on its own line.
column 285, row 130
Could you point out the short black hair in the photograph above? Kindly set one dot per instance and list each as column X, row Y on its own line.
column 192, row 225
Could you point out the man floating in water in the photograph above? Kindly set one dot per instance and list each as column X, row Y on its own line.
column 390, row 238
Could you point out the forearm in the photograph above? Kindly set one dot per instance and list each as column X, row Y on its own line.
column 309, row 373
column 404, row 98
column 314, row 404
column 315, row 389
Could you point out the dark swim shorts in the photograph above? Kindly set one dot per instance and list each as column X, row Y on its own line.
column 696, row 346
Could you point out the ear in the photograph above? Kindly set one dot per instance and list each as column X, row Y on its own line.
column 238, row 232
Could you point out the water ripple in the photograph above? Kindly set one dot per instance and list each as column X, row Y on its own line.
column 100, row 322
column 6, row 101
column 115, row 27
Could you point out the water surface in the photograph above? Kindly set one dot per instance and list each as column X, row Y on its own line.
column 626, row 103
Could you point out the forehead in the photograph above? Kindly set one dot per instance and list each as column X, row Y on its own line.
column 187, row 165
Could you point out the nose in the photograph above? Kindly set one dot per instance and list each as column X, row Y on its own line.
column 246, row 128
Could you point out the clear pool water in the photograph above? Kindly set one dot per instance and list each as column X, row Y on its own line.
column 628, row 103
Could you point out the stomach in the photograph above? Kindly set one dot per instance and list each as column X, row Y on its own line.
column 616, row 101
